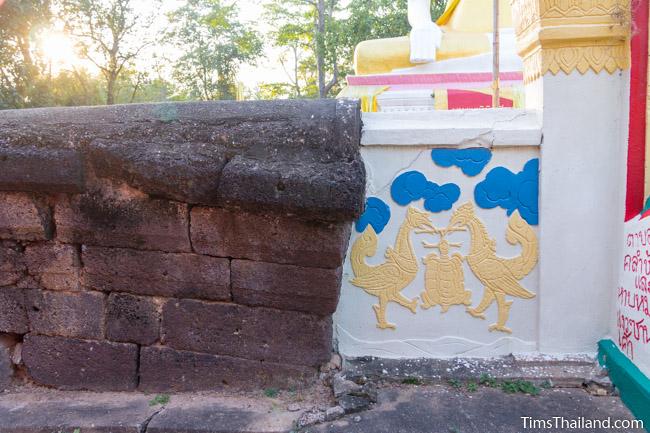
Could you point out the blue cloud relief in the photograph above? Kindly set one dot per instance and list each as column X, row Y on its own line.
column 471, row 161
column 511, row 191
column 377, row 214
column 413, row 186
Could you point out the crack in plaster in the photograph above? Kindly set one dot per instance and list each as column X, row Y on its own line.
column 488, row 138
column 401, row 169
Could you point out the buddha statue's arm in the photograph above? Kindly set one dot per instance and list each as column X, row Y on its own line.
column 425, row 36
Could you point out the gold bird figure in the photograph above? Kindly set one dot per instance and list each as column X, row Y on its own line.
column 500, row 276
column 386, row 281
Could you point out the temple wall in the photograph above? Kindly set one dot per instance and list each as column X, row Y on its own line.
column 629, row 311
column 582, row 172
column 174, row 247
column 631, row 308
column 483, row 161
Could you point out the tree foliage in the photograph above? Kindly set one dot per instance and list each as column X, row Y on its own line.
column 21, row 68
column 205, row 44
column 110, row 35
column 215, row 44
column 307, row 31
column 377, row 19
column 318, row 37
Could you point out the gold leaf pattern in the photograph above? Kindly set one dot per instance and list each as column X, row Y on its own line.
column 586, row 35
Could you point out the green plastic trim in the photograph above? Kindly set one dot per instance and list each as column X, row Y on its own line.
column 633, row 385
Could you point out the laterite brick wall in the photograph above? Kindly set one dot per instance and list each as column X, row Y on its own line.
column 174, row 247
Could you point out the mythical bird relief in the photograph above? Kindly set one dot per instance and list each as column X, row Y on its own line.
column 386, row 281
column 444, row 280
column 444, row 277
column 500, row 276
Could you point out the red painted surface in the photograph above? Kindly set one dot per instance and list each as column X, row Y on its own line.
column 638, row 88
column 467, row 99
column 385, row 80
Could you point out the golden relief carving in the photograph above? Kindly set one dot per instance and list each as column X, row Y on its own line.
column 597, row 58
column 386, row 281
column 500, row 276
column 444, row 277
column 567, row 36
column 444, row 280
column 528, row 12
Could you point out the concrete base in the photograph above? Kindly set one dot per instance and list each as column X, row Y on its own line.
column 634, row 386
column 566, row 372
column 441, row 409
column 47, row 411
column 400, row 409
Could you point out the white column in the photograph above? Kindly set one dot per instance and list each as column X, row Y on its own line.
column 581, row 206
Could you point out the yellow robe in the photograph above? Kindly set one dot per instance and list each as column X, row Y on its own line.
column 465, row 24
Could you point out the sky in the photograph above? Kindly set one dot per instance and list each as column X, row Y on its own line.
column 60, row 49
column 250, row 11
column 269, row 69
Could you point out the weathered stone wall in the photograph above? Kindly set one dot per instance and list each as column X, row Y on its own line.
column 174, row 247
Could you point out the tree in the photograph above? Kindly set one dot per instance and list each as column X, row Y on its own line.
column 76, row 87
column 309, row 29
column 295, row 42
column 110, row 34
column 377, row 19
column 324, row 34
column 20, row 66
column 294, row 35
column 215, row 44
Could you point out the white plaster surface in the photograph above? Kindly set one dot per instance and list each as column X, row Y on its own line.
column 632, row 311
column 582, row 192
column 430, row 333
column 462, row 128
column 581, row 206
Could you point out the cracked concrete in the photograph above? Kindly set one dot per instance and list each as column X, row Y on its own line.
column 50, row 411
column 45, row 411
column 442, row 409
column 457, row 128
column 400, row 409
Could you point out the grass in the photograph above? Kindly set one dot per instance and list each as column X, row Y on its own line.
column 271, row 392
column 522, row 386
column 412, row 381
column 487, row 380
column 507, row 386
column 159, row 399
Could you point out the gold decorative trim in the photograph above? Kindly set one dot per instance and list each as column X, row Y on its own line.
column 572, row 35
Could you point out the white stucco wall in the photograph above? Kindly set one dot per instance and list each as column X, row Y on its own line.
column 400, row 143
column 630, row 310
column 581, row 206
column 583, row 135
column 631, row 307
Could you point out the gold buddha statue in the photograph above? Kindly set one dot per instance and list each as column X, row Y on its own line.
column 463, row 30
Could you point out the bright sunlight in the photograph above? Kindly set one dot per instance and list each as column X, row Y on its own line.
column 59, row 51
